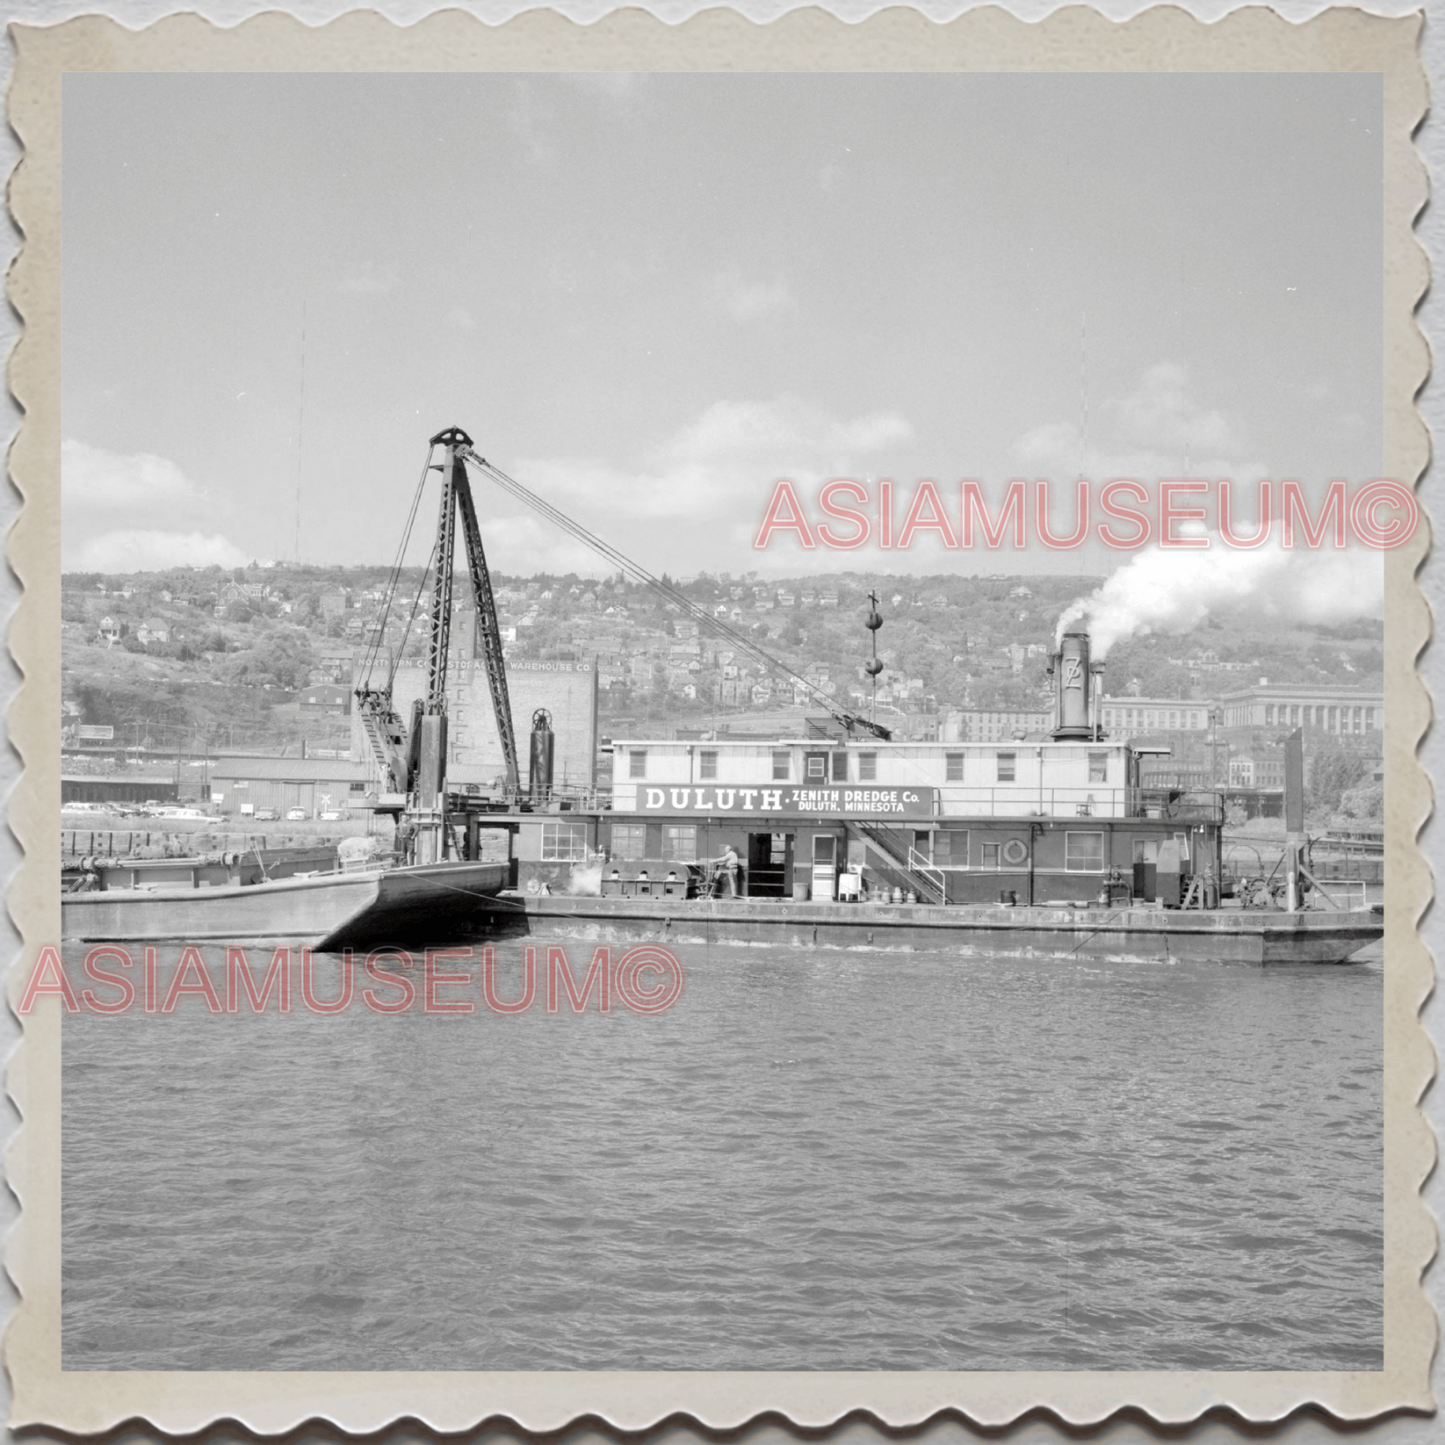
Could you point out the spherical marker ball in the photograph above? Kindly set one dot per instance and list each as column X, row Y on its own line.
column 873, row 622
column 873, row 666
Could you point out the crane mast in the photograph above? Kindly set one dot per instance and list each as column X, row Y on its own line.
column 413, row 757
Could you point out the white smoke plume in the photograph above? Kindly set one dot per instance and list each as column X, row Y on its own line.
column 1173, row 592
column 585, row 881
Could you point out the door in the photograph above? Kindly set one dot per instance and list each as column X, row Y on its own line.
column 825, row 867
column 768, row 857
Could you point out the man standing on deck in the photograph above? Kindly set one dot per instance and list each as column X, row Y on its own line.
column 728, row 866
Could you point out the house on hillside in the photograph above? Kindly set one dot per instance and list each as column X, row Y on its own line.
column 109, row 631
column 334, row 662
column 153, row 629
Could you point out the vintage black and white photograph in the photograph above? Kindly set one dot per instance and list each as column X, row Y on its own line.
column 723, row 722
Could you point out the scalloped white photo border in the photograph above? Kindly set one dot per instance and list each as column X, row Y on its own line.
column 1163, row 39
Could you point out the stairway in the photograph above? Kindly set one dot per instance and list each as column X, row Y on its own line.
column 891, row 854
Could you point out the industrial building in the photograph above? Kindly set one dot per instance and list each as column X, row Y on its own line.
column 242, row 786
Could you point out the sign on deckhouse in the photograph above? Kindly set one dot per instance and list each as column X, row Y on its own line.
column 836, row 802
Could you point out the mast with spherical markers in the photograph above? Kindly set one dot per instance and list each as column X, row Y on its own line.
column 874, row 665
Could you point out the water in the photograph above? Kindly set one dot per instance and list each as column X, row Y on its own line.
column 844, row 1160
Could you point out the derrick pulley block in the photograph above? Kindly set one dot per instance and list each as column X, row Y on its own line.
column 453, row 436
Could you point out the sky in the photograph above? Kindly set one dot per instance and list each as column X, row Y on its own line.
column 650, row 297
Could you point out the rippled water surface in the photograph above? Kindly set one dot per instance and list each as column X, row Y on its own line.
column 816, row 1160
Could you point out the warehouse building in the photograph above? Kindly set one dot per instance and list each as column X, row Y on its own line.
column 244, row 786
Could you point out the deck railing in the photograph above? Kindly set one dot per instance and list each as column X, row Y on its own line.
column 1179, row 804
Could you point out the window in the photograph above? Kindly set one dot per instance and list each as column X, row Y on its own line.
column 990, row 852
column 637, row 763
column 1146, row 850
column 867, row 767
column 815, row 767
column 950, row 848
column 679, row 842
column 629, row 841
column 953, row 767
column 1098, row 767
column 707, row 765
column 840, row 767
column 564, row 842
column 1269, row 714
column 782, row 767
column 1007, row 767
column 1181, row 841
column 1083, row 852
column 356, row 787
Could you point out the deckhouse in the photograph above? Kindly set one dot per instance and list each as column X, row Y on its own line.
column 951, row 823
column 845, row 813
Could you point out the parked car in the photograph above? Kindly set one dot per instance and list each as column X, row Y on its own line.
column 266, row 815
column 296, row 815
column 332, row 816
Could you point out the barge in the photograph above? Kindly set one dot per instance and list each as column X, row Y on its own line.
column 328, row 911
column 965, row 931
column 1042, row 846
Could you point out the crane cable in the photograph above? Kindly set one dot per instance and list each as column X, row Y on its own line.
column 705, row 618
column 411, row 617
column 393, row 581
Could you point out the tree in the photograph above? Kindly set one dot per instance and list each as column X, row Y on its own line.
column 1333, row 771
column 1366, row 801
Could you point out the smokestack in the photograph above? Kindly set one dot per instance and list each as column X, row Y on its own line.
column 1074, row 684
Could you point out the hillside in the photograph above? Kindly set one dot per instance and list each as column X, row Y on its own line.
column 205, row 658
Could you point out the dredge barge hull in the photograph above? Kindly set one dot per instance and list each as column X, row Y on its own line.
column 1121, row 934
column 432, row 903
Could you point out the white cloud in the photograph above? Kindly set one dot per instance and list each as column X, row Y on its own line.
column 1156, row 431
column 1160, row 412
column 520, row 545
column 795, row 435
column 92, row 478
column 749, row 300
column 130, row 550
column 696, row 500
